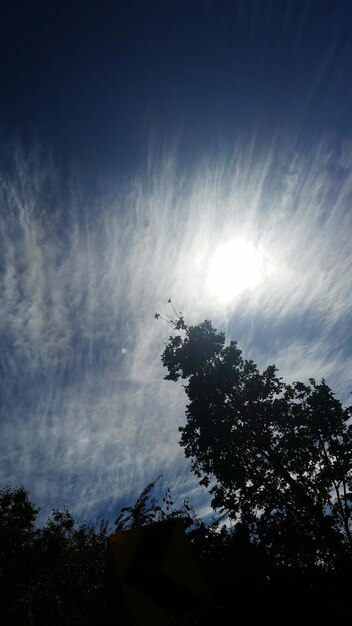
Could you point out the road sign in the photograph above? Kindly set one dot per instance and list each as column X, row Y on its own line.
column 159, row 579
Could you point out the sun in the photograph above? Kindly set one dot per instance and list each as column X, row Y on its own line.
column 234, row 267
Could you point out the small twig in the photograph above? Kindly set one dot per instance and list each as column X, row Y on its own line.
column 178, row 322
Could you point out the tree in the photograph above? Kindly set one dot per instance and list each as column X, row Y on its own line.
column 52, row 575
column 147, row 509
column 59, row 574
column 70, row 573
column 276, row 456
column 17, row 538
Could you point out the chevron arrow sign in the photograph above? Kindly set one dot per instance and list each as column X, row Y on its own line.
column 159, row 577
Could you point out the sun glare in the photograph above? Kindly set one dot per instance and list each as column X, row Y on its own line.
column 233, row 268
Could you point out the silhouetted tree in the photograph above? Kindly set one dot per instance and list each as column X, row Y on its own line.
column 276, row 456
column 147, row 509
column 59, row 574
column 52, row 575
column 17, row 538
column 71, row 579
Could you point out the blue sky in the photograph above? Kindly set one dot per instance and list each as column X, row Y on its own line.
column 143, row 143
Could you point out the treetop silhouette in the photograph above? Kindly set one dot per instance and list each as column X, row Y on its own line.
column 276, row 456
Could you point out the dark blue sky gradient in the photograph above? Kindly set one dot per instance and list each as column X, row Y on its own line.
column 95, row 81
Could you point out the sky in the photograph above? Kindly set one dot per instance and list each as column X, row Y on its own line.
column 198, row 151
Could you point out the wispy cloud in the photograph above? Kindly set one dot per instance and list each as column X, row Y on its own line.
column 86, row 418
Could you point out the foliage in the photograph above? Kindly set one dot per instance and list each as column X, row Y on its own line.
column 59, row 574
column 17, row 539
column 277, row 459
column 147, row 509
column 276, row 456
column 52, row 575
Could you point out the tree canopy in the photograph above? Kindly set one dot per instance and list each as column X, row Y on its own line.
column 50, row 575
column 277, row 456
column 277, row 459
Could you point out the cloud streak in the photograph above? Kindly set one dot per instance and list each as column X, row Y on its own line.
column 86, row 418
